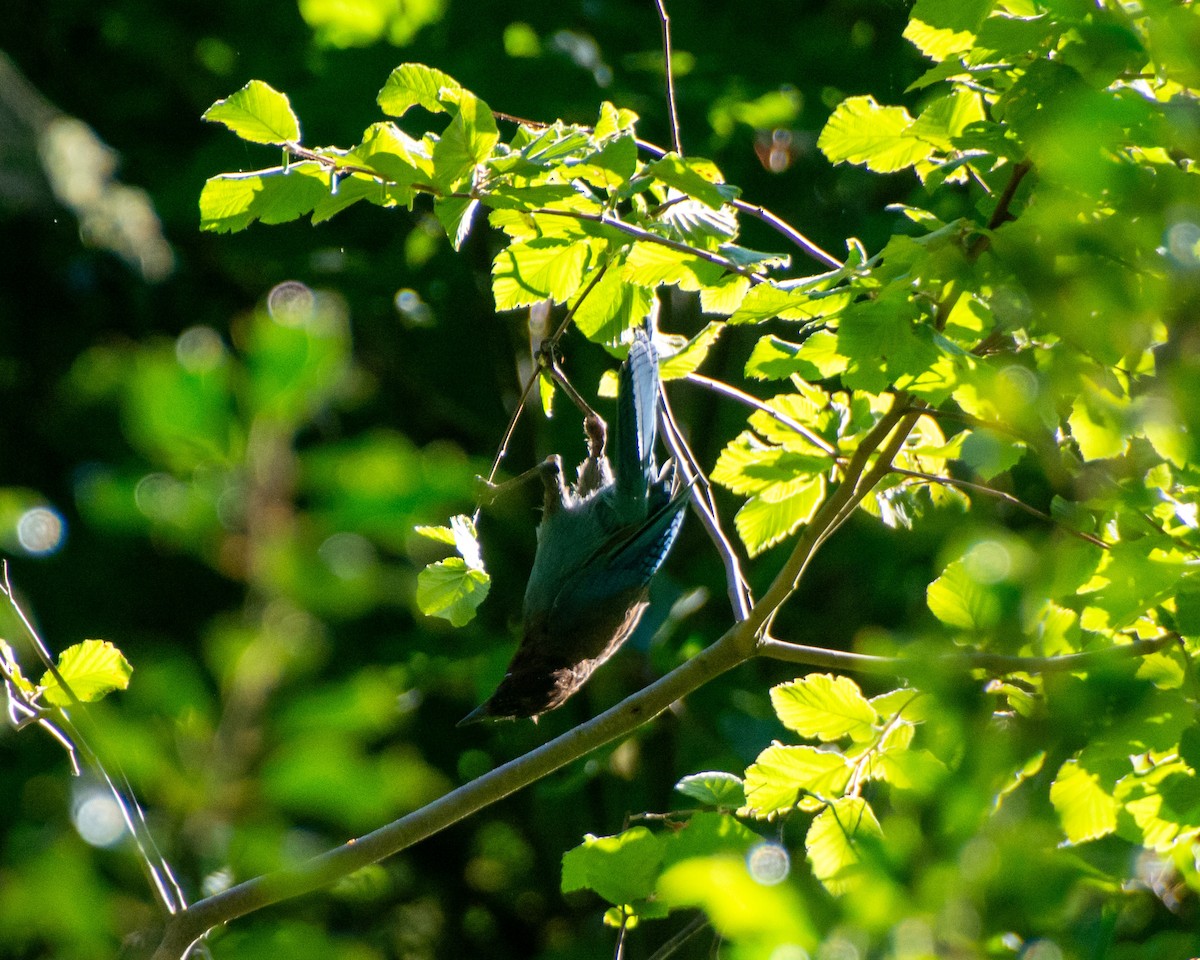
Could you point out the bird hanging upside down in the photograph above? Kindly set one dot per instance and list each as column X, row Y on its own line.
column 599, row 543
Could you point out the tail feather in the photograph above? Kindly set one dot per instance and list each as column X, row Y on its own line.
column 637, row 426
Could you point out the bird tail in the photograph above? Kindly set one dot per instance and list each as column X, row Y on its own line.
column 637, row 425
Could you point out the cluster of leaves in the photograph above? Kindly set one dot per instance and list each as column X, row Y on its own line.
column 1028, row 320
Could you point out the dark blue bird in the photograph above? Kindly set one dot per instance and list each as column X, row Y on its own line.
column 599, row 543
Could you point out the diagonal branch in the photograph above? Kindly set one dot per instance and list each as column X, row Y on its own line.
column 185, row 928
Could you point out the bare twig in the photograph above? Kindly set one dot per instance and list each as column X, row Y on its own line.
column 1000, row 495
column 694, row 926
column 727, row 390
column 736, row 585
column 784, row 228
column 964, row 661
column 638, row 233
column 665, row 21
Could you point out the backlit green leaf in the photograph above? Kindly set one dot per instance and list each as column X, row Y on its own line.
column 451, row 590
column 765, row 520
column 1085, row 808
column 861, row 131
column 234, row 201
column 622, row 869
column 689, row 357
column 89, row 670
column 612, row 307
column 959, row 600
column 824, row 706
column 465, row 143
column 687, row 176
column 526, row 273
column 652, row 264
column 257, row 113
column 784, row 778
column 715, row 788
column 838, row 842
column 413, row 84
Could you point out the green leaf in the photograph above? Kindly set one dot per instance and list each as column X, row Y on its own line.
column 940, row 28
column 652, row 264
column 612, row 307
column 438, row 533
column 836, row 843
column 622, row 869
column 610, row 166
column 414, row 83
column 527, row 273
column 862, row 132
column 687, row 176
column 814, row 359
column 90, row 670
column 747, row 466
column 452, row 590
column 946, row 118
column 465, row 143
column 714, row 788
column 707, row 833
column 784, row 778
column 766, row 300
column 826, row 707
column 257, row 113
column 689, row 357
column 234, row 201
column 724, row 296
column 1098, row 424
column 1085, row 808
column 395, row 155
column 456, row 215
column 739, row 907
column 959, row 600
column 884, row 341
column 1132, row 577
column 768, row 518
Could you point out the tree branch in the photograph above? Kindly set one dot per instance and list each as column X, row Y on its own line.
column 1003, row 496
column 967, row 660
column 186, row 927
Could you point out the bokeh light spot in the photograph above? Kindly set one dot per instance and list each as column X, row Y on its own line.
column 768, row 863
column 97, row 818
column 199, row 349
column 40, row 531
column 291, row 303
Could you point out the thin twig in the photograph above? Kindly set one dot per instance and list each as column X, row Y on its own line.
column 728, row 390
column 638, row 233
column 786, row 229
column 694, row 926
column 1000, row 495
column 965, row 661
column 738, row 588
column 665, row 21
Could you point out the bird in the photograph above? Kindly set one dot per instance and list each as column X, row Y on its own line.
column 599, row 543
